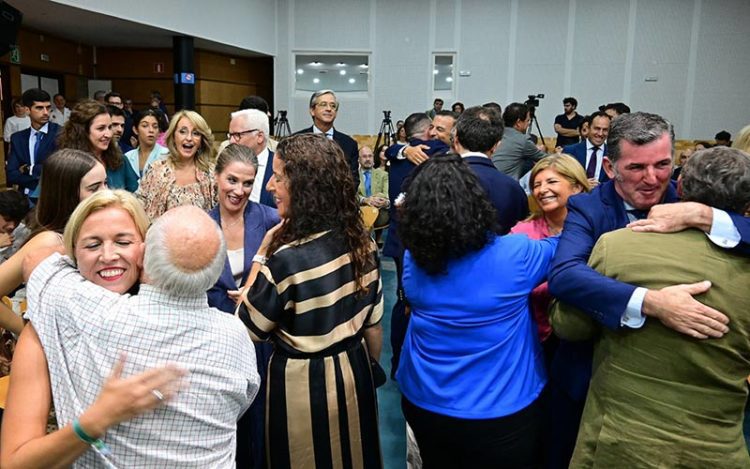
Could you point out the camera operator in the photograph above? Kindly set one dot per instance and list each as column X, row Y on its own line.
column 517, row 153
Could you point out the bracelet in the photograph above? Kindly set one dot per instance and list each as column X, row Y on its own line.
column 260, row 259
column 97, row 443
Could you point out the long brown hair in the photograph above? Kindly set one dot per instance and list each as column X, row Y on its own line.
column 75, row 132
column 322, row 197
column 61, row 185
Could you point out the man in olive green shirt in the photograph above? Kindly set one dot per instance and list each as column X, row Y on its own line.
column 659, row 398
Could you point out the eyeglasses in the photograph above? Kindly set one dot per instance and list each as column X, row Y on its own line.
column 333, row 106
column 238, row 135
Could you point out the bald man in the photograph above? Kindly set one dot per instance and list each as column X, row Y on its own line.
column 169, row 321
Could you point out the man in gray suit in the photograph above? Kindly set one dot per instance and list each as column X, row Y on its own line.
column 516, row 153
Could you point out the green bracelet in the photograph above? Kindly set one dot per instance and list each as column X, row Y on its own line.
column 97, row 443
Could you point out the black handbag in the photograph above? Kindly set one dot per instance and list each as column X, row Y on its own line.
column 378, row 373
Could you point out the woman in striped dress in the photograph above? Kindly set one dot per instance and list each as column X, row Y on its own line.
column 318, row 298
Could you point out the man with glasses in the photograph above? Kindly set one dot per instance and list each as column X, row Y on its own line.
column 249, row 128
column 323, row 109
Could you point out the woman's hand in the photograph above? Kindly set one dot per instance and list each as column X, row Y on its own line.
column 263, row 249
column 5, row 240
column 234, row 295
column 124, row 398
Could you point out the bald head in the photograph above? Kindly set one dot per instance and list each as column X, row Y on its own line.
column 366, row 157
column 185, row 252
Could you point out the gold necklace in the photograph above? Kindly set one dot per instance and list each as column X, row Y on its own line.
column 229, row 225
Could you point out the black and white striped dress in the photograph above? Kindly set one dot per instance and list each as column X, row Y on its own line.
column 321, row 402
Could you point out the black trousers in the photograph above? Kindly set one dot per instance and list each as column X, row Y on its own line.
column 399, row 319
column 513, row 441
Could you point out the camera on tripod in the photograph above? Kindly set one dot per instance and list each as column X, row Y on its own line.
column 387, row 115
column 533, row 100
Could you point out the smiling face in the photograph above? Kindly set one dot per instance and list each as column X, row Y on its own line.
column 187, row 139
column 551, row 190
column 324, row 111
column 235, row 183
column 441, row 127
column 598, row 130
column 94, row 181
column 642, row 172
column 278, row 185
column 147, row 131
column 109, row 249
column 100, row 133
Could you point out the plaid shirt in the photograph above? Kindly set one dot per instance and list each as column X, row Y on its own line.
column 84, row 328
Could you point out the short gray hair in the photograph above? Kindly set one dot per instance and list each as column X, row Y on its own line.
column 254, row 118
column 718, row 177
column 638, row 128
column 318, row 94
column 164, row 274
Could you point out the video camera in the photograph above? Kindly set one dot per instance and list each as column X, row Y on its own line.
column 533, row 100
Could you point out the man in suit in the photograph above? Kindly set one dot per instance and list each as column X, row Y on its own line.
column 417, row 127
column 640, row 165
column 249, row 127
column 669, row 399
column 517, row 154
column 478, row 132
column 323, row 109
column 590, row 153
column 29, row 148
column 440, row 129
column 373, row 186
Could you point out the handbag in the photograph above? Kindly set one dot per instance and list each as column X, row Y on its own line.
column 378, row 373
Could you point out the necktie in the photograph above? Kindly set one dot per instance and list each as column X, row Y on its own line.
column 591, row 167
column 638, row 214
column 329, row 134
column 39, row 137
column 368, row 184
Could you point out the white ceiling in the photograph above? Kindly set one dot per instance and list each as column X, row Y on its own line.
column 101, row 30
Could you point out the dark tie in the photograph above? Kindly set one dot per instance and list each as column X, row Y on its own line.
column 368, row 184
column 591, row 167
column 638, row 214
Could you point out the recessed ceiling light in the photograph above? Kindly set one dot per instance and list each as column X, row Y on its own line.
column 449, row 79
column 315, row 64
column 342, row 72
column 352, row 81
column 435, row 72
column 300, row 71
column 341, row 64
column 316, row 80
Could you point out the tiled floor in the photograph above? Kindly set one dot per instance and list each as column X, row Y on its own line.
column 392, row 427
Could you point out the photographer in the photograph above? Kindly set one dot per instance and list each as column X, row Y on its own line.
column 516, row 153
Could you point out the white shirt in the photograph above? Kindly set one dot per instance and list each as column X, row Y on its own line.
column 84, row 328
column 59, row 117
column 599, row 157
column 32, row 143
column 15, row 124
column 329, row 133
column 258, row 185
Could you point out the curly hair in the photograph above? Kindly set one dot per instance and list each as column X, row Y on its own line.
column 446, row 214
column 206, row 154
column 322, row 197
column 75, row 132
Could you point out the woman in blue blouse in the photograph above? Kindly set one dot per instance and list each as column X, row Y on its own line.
column 471, row 369
column 146, row 130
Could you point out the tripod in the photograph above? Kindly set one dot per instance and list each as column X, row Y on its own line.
column 534, row 120
column 281, row 126
column 385, row 132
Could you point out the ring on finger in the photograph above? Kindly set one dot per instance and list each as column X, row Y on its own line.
column 157, row 394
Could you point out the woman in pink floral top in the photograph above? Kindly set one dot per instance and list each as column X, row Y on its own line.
column 186, row 176
column 553, row 179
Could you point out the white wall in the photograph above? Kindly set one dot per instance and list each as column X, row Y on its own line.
column 596, row 50
column 247, row 24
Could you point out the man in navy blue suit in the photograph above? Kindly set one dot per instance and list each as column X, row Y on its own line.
column 418, row 131
column 29, row 148
column 477, row 133
column 249, row 127
column 639, row 164
column 324, row 107
column 591, row 151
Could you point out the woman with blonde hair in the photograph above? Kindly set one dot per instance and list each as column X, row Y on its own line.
column 742, row 141
column 552, row 181
column 185, row 176
column 104, row 235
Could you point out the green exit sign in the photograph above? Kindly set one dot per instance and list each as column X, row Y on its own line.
column 15, row 55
